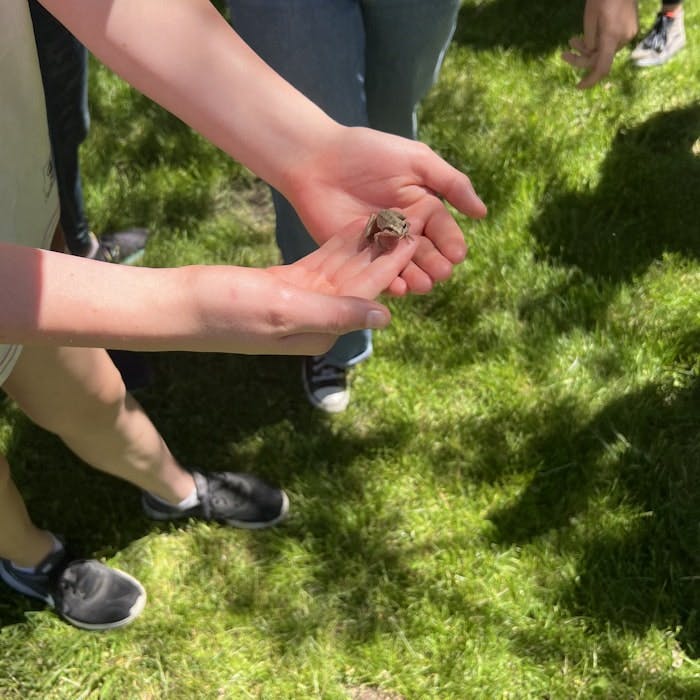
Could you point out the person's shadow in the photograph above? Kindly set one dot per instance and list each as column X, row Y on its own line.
column 641, row 568
column 539, row 29
column 642, row 209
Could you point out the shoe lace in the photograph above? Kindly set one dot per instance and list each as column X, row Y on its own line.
column 323, row 370
column 657, row 37
column 223, row 483
column 216, row 490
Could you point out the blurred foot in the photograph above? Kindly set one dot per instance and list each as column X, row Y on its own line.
column 325, row 384
column 124, row 247
column 665, row 40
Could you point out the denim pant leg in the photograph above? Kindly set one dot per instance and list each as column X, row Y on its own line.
column 63, row 63
column 406, row 43
column 364, row 62
column 319, row 47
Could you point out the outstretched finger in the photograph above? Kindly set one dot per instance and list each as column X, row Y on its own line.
column 579, row 57
column 603, row 63
column 368, row 278
column 416, row 279
column 398, row 288
column 578, row 60
column 578, row 44
column 447, row 237
column 316, row 312
column 331, row 317
column 334, row 254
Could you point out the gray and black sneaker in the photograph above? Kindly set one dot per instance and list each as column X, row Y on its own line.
column 665, row 40
column 124, row 247
column 325, row 384
column 240, row 500
column 84, row 592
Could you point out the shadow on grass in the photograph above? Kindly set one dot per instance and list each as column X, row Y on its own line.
column 613, row 677
column 533, row 28
column 636, row 570
column 642, row 208
column 260, row 422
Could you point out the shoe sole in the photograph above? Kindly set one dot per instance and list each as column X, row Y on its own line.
column 133, row 258
column 242, row 524
column 652, row 62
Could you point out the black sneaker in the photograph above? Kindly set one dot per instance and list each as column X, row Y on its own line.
column 84, row 592
column 240, row 500
column 125, row 247
column 665, row 40
column 325, row 384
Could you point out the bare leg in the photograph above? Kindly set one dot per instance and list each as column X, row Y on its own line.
column 20, row 540
column 78, row 394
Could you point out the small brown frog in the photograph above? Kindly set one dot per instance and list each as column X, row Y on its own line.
column 386, row 227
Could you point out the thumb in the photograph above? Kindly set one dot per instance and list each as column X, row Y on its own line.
column 346, row 314
column 448, row 182
column 338, row 315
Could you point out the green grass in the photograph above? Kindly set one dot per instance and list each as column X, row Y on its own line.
column 509, row 509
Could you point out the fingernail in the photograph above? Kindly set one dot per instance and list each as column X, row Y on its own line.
column 376, row 319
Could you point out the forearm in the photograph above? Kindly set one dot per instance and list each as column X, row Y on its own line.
column 186, row 57
column 51, row 298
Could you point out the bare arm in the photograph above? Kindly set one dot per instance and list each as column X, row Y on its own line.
column 57, row 299
column 185, row 56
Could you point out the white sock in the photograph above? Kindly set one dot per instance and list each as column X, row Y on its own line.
column 189, row 501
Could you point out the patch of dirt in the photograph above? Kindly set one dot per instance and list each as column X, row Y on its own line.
column 366, row 692
column 252, row 202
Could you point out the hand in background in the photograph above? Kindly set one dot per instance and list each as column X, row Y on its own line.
column 607, row 26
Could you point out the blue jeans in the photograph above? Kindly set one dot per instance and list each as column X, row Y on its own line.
column 63, row 63
column 365, row 63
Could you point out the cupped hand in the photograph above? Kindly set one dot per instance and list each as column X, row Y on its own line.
column 361, row 171
column 607, row 26
column 341, row 277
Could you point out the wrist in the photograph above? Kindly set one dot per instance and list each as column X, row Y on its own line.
column 305, row 161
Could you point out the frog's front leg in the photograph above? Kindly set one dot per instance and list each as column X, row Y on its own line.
column 370, row 227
